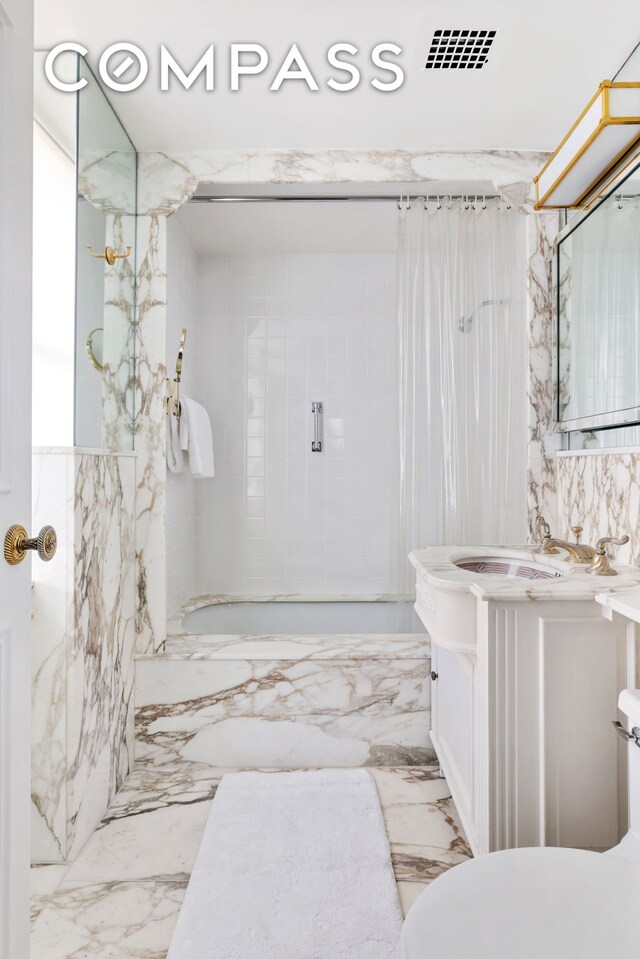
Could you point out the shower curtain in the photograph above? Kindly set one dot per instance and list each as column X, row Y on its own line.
column 462, row 376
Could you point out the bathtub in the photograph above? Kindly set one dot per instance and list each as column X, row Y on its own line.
column 290, row 617
column 287, row 683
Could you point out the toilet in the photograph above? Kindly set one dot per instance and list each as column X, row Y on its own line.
column 538, row 903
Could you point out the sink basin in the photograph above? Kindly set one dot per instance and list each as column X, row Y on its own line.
column 504, row 566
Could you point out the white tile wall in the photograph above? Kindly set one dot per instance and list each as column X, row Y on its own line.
column 181, row 311
column 277, row 332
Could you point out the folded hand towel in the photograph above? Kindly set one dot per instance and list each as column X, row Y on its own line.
column 196, row 437
column 175, row 456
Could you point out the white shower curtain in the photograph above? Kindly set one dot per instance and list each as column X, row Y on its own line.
column 462, row 371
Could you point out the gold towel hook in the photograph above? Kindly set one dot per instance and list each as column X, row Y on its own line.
column 110, row 254
column 92, row 356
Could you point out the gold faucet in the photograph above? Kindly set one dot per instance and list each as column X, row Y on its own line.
column 601, row 565
column 579, row 553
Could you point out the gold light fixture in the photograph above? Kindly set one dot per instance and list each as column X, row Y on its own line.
column 602, row 136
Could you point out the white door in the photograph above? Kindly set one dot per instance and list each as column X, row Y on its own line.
column 16, row 119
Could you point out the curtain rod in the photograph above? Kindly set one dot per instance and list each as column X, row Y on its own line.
column 203, row 198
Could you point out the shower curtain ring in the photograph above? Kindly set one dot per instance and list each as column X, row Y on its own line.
column 484, row 203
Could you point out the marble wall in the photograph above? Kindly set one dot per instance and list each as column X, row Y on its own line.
column 600, row 490
column 118, row 346
column 83, row 659
column 543, row 442
column 150, row 435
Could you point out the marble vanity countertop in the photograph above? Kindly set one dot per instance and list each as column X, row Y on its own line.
column 626, row 603
column 436, row 565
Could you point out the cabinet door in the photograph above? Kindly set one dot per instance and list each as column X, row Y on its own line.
column 453, row 695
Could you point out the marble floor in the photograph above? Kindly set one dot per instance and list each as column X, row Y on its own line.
column 121, row 897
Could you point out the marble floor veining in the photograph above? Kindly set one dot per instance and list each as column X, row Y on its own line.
column 121, row 897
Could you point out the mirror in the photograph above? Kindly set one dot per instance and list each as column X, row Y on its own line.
column 599, row 313
column 106, row 208
column 85, row 170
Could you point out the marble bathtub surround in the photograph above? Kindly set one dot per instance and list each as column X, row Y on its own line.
column 168, row 179
column 82, row 739
column 112, row 897
column 292, row 712
column 335, row 700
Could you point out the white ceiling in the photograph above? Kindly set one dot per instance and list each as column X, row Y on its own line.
column 546, row 61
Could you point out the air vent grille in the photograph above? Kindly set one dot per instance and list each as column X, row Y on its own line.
column 459, row 49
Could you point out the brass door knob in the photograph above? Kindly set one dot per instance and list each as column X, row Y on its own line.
column 16, row 544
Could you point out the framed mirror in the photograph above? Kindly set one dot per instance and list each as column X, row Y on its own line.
column 598, row 307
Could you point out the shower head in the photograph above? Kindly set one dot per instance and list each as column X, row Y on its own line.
column 465, row 323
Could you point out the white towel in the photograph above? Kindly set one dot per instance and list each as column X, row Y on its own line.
column 196, row 437
column 175, row 456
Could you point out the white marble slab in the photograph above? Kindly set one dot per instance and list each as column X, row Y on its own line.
column 283, row 713
column 330, row 646
column 601, row 492
column 83, row 646
column 150, row 431
column 112, row 920
column 625, row 603
column 542, row 440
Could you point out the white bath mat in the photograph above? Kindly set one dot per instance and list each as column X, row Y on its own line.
column 292, row 865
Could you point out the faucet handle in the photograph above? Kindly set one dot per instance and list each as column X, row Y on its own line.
column 600, row 565
column 614, row 540
column 577, row 532
column 544, row 526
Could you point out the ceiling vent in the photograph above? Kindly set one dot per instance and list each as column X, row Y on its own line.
column 459, row 49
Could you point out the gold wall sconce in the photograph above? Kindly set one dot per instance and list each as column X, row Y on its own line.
column 110, row 254
column 95, row 362
column 597, row 145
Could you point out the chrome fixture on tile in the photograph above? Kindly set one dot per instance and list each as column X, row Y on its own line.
column 465, row 323
column 316, row 409
column 600, row 565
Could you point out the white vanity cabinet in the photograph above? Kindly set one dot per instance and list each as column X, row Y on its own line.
column 525, row 682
